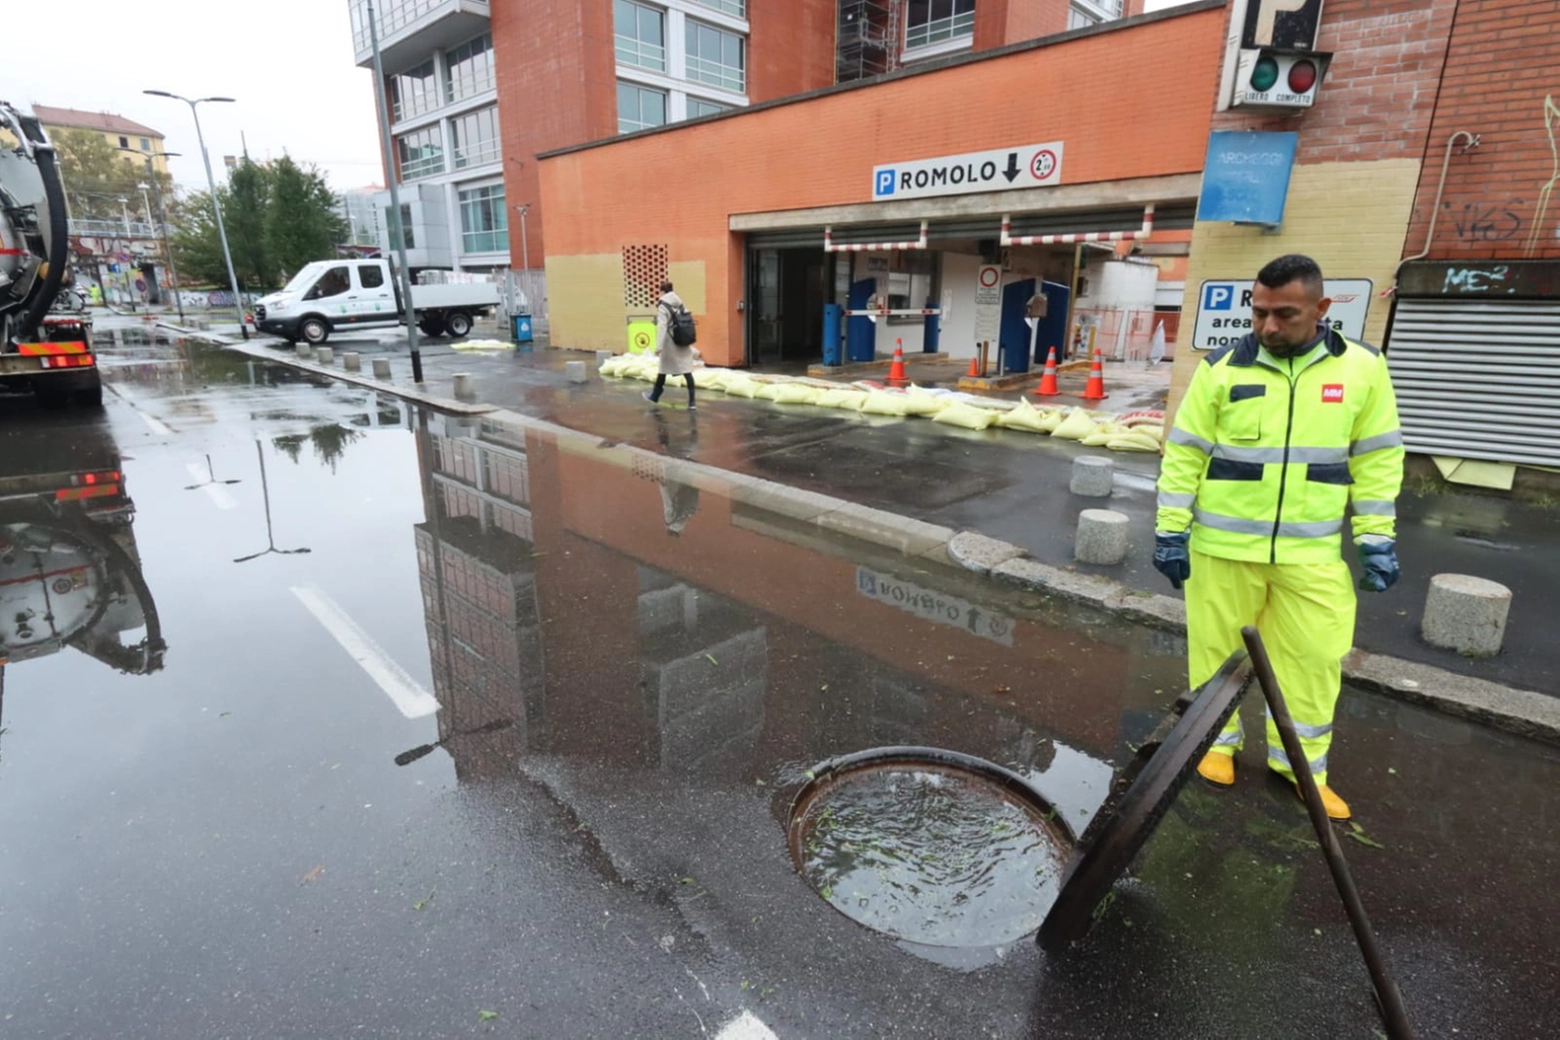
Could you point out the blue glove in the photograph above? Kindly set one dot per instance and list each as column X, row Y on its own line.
column 1173, row 558
column 1379, row 559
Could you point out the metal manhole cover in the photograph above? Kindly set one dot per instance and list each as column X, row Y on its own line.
column 929, row 846
column 1139, row 799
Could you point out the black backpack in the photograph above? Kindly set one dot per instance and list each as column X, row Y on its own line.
column 683, row 331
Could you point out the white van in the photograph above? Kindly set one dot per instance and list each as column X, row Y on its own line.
column 331, row 294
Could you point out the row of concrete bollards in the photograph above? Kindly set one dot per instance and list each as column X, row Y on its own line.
column 1462, row 612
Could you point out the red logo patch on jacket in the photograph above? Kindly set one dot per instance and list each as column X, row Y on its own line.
column 1332, row 393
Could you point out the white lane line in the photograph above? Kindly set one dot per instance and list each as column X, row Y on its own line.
column 407, row 693
column 746, row 1026
column 153, row 423
column 216, row 492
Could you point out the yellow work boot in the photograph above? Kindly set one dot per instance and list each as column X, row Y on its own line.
column 1217, row 769
column 1337, row 808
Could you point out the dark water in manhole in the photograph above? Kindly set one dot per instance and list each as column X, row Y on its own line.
column 932, row 855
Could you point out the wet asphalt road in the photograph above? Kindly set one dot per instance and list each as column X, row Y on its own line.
column 224, row 846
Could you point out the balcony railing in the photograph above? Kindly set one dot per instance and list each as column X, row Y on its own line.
column 395, row 15
column 116, row 229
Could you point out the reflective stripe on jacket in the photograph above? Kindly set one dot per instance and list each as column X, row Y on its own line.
column 1266, row 453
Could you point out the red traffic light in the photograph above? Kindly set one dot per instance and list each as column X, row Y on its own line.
column 1302, row 76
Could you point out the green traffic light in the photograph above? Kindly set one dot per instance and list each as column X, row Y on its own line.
column 1264, row 75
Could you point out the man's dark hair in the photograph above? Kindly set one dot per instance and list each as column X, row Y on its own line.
column 667, row 286
column 1291, row 267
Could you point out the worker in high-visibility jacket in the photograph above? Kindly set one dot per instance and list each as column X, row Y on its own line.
column 1277, row 436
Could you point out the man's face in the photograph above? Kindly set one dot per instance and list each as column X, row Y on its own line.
column 1285, row 319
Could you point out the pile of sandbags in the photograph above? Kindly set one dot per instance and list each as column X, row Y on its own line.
column 1134, row 431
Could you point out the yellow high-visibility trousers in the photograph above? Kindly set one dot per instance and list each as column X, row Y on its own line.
column 1305, row 613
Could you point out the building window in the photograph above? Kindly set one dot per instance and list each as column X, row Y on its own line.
column 715, row 57
column 124, row 142
column 735, row 8
column 474, row 137
column 146, row 144
column 639, row 107
column 407, row 238
column 421, row 153
column 469, row 68
column 484, row 220
column 938, row 21
column 413, row 92
column 641, row 35
column 1084, row 13
column 698, row 107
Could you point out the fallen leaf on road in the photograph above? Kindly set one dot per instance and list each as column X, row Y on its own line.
column 422, row 902
column 711, row 658
column 486, row 1016
column 314, row 875
column 1358, row 834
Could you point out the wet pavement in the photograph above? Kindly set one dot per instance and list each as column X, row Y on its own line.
column 630, row 666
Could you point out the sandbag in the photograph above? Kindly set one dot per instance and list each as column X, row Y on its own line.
column 1024, row 416
column 794, row 393
column 966, row 415
column 709, row 378
column 1075, row 427
column 840, row 398
column 766, row 391
column 924, row 402
column 612, row 368
column 879, row 402
column 1099, row 438
column 739, row 385
column 1127, row 442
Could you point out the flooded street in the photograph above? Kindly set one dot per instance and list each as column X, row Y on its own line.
column 629, row 664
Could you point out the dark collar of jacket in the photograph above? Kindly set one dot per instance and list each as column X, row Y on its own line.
column 1244, row 353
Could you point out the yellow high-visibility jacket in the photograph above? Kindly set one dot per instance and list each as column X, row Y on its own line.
column 1266, row 453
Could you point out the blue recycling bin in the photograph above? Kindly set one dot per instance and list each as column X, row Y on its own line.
column 522, row 328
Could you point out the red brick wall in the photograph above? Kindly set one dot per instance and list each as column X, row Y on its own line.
column 1000, row 22
column 1503, row 64
column 601, row 198
column 1377, row 99
column 791, row 47
column 562, row 51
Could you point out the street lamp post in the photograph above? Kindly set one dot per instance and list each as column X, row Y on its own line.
column 161, row 219
column 216, row 205
column 124, row 214
column 393, row 176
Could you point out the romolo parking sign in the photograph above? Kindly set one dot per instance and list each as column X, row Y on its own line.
column 1224, row 310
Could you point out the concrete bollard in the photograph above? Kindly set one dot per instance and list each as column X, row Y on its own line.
column 575, row 370
column 1102, row 537
column 352, row 361
column 463, row 387
column 381, row 368
column 325, row 355
column 304, row 352
column 1466, row 614
column 602, row 357
column 1093, row 476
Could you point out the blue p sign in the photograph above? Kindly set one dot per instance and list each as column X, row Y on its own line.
column 1218, row 297
column 885, row 183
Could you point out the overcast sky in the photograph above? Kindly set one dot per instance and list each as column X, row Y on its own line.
column 287, row 62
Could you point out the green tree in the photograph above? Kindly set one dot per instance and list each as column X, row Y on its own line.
column 197, row 249
column 97, row 175
column 245, row 201
column 301, row 222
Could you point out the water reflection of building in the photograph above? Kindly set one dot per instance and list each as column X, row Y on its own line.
column 70, row 573
column 559, row 597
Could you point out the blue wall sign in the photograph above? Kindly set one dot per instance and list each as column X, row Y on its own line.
column 1246, row 176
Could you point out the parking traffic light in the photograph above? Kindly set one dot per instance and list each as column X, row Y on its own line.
column 1267, row 77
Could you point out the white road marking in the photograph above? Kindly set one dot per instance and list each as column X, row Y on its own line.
column 153, row 423
column 406, row 693
column 746, row 1026
column 216, row 492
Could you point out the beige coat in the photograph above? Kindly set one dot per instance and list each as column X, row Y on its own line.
column 675, row 360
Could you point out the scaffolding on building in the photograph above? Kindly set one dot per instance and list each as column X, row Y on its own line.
column 867, row 39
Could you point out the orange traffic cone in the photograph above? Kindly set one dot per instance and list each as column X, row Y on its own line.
column 896, row 371
column 1095, row 389
column 974, row 372
column 1047, row 387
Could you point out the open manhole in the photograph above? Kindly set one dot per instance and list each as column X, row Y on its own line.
column 930, row 846
column 944, row 849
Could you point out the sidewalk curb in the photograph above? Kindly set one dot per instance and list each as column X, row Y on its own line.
column 443, row 404
column 1523, row 712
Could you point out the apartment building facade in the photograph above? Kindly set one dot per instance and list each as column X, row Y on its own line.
column 477, row 88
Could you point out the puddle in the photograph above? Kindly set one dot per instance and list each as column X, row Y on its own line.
column 931, row 854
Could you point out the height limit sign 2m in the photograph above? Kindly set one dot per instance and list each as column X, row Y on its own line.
column 998, row 169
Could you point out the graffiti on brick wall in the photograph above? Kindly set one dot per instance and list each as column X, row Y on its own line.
column 1545, row 190
column 1482, row 222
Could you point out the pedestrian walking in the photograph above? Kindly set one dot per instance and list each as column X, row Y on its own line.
column 1277, row 436
column 673, row 344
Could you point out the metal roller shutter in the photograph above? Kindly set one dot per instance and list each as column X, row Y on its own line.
column 1479, row 379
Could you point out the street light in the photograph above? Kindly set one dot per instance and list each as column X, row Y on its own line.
column 216, row 205
column 161, row 219
column 124, row 213
column 525, row 244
